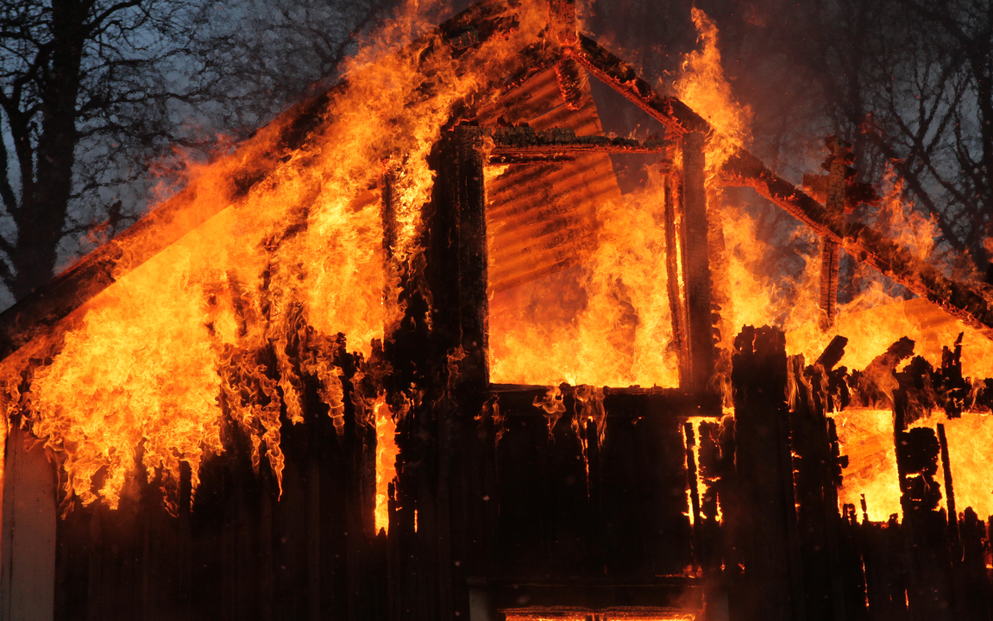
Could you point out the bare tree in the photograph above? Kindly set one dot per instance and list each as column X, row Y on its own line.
column 88, row 88
column 94, row 93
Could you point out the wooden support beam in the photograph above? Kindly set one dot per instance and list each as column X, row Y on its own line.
column 696, row 263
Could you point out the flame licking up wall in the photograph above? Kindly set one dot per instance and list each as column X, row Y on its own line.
column 240, row 315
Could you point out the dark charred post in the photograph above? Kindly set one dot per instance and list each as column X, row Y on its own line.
column 452, row 513
column 925, row 526
column 974, row 603
column 696, row 257
column 886, row 570
column 817, row 499
column 946, row 470
column 772, row 586
column 473, row 299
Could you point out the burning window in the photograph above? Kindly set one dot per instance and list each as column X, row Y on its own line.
column 577, row 271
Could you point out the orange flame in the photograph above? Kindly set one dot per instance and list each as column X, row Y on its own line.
column 604, row 323
column 866, row 437
column 703, row 86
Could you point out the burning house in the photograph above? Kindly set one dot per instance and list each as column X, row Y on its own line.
column 409, row 352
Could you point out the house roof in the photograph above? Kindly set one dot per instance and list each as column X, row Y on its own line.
column 525, row 91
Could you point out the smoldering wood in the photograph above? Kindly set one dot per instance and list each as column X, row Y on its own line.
column 834, row 202
column 830, row 265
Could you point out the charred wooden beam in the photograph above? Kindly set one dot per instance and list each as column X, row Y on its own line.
column 773, row 587
column 677, row 117
column 674, row 261
column 970, row 302
column 516, row 144
column 696, row 263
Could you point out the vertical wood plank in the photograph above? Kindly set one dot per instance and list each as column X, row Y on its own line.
column 767, row 519
column 696, row 262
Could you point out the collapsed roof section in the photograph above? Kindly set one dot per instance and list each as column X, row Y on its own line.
column 549, row 67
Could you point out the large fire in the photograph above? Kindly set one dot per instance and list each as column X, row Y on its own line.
column 240, row 314
column 234, row 316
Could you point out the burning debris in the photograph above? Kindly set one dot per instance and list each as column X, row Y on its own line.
column 410, row 347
